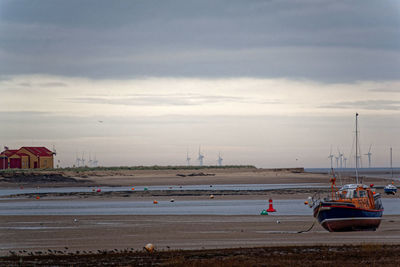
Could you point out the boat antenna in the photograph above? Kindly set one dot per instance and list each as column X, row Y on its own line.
column 356, row 148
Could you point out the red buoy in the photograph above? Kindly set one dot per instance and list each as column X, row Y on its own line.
column 99, row 190
column 271, row 208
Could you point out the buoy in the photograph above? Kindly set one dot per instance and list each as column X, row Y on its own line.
column 94, row 189
column 278, row 221
column 211, row 196
column 37, row 197
column 149, row 247
column 145, row 189
column 75, row 220
column 99, row 190
column 392, row 182
column 264, row 212
column 371, row 185
column 271, row 208
column 155, row 202
column 172, row 200
column 133, row 188
column 306, row 202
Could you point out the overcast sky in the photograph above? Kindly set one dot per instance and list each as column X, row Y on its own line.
column 267, row 83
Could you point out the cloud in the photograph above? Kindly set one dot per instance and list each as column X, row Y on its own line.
column 388, row 105
column 385, row 90
column 329, row 42
column 167, row 100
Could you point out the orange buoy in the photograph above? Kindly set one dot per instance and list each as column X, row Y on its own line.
column 306, row 202
column 155, row 202
column 271, row 208
column 133, row 188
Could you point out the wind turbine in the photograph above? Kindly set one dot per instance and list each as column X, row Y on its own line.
column 345, row 160
column 200, row 158
column 337, row 162
column 78, row 160
column 90, row 160
column 83, row 159
column 369, row 156
column 331, row 157
column 188, row 158
column 95, row 161
column 341, row 158
column 220, row 159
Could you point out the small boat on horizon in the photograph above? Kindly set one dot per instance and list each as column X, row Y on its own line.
column 353, row 207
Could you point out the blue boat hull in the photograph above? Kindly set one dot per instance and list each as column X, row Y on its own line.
column 339, row 217
column 390, row 191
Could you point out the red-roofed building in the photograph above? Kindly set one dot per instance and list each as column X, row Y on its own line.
column 27, row 158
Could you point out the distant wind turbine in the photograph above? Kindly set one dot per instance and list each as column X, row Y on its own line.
column 78, row 160
column 95, row 161
column 220, row 159
column 200, row 158
column 331, row 158
column 340, row 158
column 369, row 156
column 83, row 159
column 188, row 158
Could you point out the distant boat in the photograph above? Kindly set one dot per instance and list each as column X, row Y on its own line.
column 353, row 207
column 390, row 189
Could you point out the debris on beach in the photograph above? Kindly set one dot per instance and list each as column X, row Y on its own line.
column 196, row 174
column 149, row 248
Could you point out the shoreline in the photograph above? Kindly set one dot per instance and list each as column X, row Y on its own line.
column 368, row 254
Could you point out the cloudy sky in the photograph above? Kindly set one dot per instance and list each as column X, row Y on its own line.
column 267, row 83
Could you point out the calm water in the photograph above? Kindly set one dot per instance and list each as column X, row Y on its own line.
column 7, row 192
column 198, row 207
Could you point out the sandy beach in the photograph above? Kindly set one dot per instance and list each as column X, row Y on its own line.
column 93, row 234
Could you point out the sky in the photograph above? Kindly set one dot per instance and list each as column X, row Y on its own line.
column 265, row 83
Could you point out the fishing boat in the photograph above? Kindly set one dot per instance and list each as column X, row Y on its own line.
column 390, row 189
column 353, row 207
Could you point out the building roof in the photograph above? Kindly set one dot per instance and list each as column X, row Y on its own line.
column 38, row 150
column 9, row 152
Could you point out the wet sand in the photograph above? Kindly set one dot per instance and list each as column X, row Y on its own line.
column 70, row 234
column 94, row 234
column 170, row 177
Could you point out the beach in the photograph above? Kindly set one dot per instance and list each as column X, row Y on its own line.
column 93, row 234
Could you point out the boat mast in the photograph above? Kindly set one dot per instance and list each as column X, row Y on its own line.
column 391, row 162
column 356, row 148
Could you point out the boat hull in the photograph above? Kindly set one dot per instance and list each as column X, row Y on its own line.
column 389, row 191
column 340, row 218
